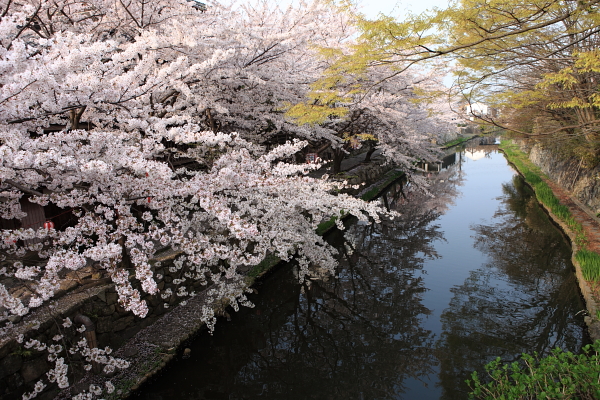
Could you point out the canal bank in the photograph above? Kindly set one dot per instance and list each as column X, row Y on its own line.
column 580, row 225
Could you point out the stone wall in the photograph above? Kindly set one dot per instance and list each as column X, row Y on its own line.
column 20, row 367
column 581, row 182
column 364, row 175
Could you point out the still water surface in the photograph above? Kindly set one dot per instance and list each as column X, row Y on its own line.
column 474, row 273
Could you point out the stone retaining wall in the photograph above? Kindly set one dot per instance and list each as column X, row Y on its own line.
column 20, row 368
column 581, row 182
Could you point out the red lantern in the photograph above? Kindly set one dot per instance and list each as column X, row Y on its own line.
column 148, row 199
column 48, row 225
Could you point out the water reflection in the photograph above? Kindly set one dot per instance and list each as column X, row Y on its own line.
column 403, row 319
column 522, row 300
column 358, row 336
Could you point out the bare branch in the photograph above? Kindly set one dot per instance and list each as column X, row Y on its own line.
column 22, row 188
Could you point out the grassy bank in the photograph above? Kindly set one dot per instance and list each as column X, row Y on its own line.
column 589, row 260
column 386, row 181
column 456, row 142
column 372, row 193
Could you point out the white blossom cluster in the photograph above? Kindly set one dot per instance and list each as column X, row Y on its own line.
column 59, row 356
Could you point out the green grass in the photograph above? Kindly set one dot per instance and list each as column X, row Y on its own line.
column 455, row 142
column 544, row 194
column 374, row 191
column 324, row 226
column 390, row 177
column 590, row 264
column 267, row 263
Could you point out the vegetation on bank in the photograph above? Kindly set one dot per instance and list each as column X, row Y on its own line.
column 376, row 190
column 456, row 142
column 372, row 193
column 560, row 375
column 589, row 260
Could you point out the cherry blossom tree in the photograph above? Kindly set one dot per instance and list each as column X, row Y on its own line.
column 405, row 115
column 108, row 110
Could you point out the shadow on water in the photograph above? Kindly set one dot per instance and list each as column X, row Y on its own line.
column 357, row 336
column 400, row 320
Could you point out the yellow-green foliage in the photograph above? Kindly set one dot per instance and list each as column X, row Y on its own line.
column 574, row 79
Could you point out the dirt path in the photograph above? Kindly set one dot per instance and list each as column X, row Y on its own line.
column 581, row 213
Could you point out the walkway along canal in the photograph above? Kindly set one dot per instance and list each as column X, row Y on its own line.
column 476, row 272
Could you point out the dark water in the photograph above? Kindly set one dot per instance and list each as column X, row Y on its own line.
column 473, row 273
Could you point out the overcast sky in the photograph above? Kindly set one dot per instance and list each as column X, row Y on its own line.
column 399, row 8
column 395, row 8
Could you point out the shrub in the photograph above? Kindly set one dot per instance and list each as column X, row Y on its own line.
column 561, row 375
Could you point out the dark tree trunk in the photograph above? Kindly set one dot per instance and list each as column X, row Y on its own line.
column 369, row 154
column 338, row 157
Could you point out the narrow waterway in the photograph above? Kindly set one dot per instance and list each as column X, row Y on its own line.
column 473, row 273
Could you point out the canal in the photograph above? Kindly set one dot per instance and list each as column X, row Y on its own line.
column 474, row 272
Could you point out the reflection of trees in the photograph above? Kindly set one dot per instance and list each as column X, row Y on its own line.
column 356, row 336
column 523, row 300
column 438, row 196
column 523, row 242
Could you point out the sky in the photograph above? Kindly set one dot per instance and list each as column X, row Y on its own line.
column 397, row 8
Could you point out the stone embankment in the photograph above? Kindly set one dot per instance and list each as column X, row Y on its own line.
column 577, row 188
column 582, row 184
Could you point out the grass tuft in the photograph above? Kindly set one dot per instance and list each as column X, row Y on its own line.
column 456, row 142
column 590, row 264
column 267, row 263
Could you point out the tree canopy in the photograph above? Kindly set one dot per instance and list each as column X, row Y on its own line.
column 536, row 60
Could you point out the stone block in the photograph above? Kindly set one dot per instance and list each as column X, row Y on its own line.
column 104, row 324
column 34, row 369
column 106, row 311
column 122, row 323
column 14, row 382
column 103, row 339
column 102, row 295
column 6, row 350
column 67, row 284
column 112, row 298
column 154, row 301
column 9, row 365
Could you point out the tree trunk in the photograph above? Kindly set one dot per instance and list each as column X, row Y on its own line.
column 369, row 154
column 338, row 157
